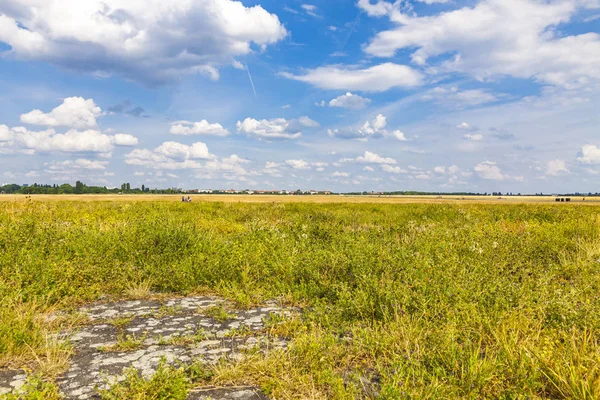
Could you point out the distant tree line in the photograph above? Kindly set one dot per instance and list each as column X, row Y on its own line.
column 80, row 188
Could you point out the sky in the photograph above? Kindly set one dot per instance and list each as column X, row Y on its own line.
column 341, row 95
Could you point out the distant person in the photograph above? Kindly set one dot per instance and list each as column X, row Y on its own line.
column 183, row 199
column 189, row 199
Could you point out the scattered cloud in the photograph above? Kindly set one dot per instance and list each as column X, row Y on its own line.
column 170, row 156
column 378, row 78
column 72, row 141
column 393, row 169
column 590, row 154
column 278, row 128
column 369, row 158
column 298, row 164
column 350, row 101
column 74, row 112
column 198, row 128
column 150, row 41
column 516, row 38
column 556, row 168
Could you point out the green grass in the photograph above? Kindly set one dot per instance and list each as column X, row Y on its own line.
column 125, row 343
column 439, row 301
column 169, row 382
column 217, row 313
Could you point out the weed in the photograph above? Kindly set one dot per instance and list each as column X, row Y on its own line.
column 182, row 340
column 125, row 343
column 437, row 300
column 218, row 313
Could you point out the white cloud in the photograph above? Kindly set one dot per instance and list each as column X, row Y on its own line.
column 370, row 158
column 198, row 128
column 151, row 41
column 489, row 170
column 310, row 10
column 124, row 139
column 238, row 65
column 74, row 112
column 374, row 128
column 556, row 168
column 368, row 169
column 231, row 166
column 298, row 164
column 176, row 150
column 439, row 170
column 338, row 174
column 71, row 141
column 307, row 122
column 278, row 128
column 590, row 154
column 378, row 78
column 320, row 103
column 5, row 134
column 466, row 126
column 80, row 163
column 350, row 101
column 518, row 38
column 393, row 169
column 476, row 137
column 170, row 156
column 399, row 135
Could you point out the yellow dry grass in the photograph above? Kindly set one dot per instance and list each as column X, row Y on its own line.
column 309, row 199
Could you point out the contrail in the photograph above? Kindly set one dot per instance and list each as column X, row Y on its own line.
column 251, row 82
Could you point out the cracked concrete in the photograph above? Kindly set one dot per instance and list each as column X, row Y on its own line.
column 178, row 330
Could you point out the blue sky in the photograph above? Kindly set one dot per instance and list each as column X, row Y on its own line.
column 343, row 95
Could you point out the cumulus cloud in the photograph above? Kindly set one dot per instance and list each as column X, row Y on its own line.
column 393, row 169
column 370, row 129
column 74, row 112
column 338, row 174
column 151, row 41
column 556, row 168
column 369, row 158
column 90, row 140
column 378, row 78
column 170, row 156
column 350, row 101
column 517, row 38
column 590, row 154
column 399, row 135
column 298, row 164
column 278, row 128
column 489, row 170
column 124, row 139
column 198, row 128
column 231, row 167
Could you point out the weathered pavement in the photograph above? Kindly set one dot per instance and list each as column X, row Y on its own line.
column 178, row 330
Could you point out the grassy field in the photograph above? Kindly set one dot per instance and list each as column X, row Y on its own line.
column 311, row 199
column 434, row 298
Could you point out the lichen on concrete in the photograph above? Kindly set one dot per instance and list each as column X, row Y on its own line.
column 156, row 327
